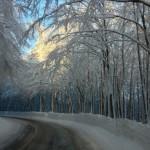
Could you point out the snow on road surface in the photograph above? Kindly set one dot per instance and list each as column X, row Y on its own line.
column 104, row 133
column 9, row 131
column 99, row 132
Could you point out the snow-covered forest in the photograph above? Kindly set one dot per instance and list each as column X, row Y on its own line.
column 72, row 56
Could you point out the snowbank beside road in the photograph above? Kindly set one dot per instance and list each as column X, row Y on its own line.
column 9, row 131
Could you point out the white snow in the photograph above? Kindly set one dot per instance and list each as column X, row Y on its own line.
column 100, row 132
column 105, row 133
column 9, row 130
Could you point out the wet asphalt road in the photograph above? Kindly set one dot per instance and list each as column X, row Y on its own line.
column 47, row 136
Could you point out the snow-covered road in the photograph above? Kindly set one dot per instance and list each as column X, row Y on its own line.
column 104, row 133
column 100, row 133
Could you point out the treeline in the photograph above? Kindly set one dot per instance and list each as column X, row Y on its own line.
column 100, row 63
column 103, row 67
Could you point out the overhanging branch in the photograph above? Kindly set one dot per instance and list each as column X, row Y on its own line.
column 145, row 2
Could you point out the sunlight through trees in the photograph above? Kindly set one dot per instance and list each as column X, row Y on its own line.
column 91, row 56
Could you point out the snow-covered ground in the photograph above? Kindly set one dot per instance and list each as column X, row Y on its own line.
column 9, row 131
column 103, row 133
column 99, row 132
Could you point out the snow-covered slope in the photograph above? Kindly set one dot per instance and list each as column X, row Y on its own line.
column 9, row 130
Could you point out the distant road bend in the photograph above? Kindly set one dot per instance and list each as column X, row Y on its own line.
column 47, row 136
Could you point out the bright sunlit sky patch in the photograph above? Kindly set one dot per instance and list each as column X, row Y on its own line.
column 27, row 20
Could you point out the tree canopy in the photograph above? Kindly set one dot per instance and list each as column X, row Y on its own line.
column 95, row 53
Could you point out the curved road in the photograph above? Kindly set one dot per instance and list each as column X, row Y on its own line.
column 47, row 136
column 53, row 131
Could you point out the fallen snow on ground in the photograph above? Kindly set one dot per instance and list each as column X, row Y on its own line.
column 9, row 131
column 100, row 132
column 105, row 133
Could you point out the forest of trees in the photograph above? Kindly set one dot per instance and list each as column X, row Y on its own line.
column 100, row 62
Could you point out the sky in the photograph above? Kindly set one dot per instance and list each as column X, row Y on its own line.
column 29, row 19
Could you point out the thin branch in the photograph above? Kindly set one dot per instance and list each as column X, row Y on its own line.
column 145, row 2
